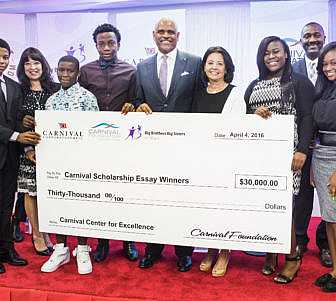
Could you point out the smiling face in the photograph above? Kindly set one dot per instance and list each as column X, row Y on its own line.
column 329, row 65
column 4, row 59
column 275, row 57
column 312, row 40
column 33, row 69
column 166, row 36
column 67, row 73
column 214, row 67
column 107, row 45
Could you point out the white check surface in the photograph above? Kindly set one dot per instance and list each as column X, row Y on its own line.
column 207, row 180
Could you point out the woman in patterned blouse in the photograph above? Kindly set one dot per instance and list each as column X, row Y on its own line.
column 278, row 90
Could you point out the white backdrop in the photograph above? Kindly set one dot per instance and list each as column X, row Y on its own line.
column 239, row 27
column 62, row 34
column 15, row 36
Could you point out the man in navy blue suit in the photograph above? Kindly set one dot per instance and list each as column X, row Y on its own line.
column 166, row 82
column 312, row 40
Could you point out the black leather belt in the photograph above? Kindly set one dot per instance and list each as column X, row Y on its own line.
column 327, row 139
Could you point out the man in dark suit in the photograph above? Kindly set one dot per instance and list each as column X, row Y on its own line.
column 10, row 103
column 312, row 40
column 166, row 82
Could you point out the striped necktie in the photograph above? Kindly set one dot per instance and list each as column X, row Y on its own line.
column 312, row 72
column 163, row 75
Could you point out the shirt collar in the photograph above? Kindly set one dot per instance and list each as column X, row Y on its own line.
column 170, row 55
column 70, row 90
column 309, row 61
column 2, row 79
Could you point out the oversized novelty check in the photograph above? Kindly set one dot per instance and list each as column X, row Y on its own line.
column 207, row 180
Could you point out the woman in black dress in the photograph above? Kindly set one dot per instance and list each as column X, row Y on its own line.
column 278, row 90
column 219, row 96
column 34, row 75
column 324, row 155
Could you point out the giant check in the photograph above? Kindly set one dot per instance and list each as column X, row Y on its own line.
column 207, row 180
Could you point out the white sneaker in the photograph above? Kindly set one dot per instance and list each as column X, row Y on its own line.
column 84, row 264
column 60, row 256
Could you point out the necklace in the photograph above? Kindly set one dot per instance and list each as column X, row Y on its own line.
column 211, row 89
column 37, row 97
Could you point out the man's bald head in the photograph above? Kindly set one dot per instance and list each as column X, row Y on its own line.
column 165, row 35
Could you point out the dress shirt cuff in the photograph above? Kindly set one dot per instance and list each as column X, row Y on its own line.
column 14, row 136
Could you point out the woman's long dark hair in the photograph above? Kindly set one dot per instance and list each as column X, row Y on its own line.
column 263, row 70
column 34, row 54
column 323, row 84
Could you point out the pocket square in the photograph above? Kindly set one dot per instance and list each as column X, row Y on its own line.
column 184, row 73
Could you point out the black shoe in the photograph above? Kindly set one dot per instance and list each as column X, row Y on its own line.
column 2, row 268
column 130, row 250
column 323, row 280
column 17, row 234
column 330, row 286
column 301, row 249
column 102, row 250
column 325, row 258
column 184, row 263
column 270, row 264
column 283, row 279
column 12, row 257
column 147, row 261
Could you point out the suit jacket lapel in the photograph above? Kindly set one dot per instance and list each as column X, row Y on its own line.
column 180, row 63
column 9, row 97
column 3, row 108
column 304, row 67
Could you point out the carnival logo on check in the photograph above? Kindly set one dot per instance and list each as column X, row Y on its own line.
column 231, row 235
column 106, row 125
column 105, row 130
column 63, row 133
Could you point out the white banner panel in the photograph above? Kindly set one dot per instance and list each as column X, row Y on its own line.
column 13, row 32
column 203, row 180
column 68, row 34
column 284, row 19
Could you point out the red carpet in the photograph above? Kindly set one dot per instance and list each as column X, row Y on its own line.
column 121, row 280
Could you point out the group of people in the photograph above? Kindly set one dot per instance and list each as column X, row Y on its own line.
column 176, row 81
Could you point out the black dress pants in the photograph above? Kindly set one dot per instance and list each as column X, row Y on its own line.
column 303, row 207
column 8, row 187
column 156, row 250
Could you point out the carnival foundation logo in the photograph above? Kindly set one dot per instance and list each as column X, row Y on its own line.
column 105, row 130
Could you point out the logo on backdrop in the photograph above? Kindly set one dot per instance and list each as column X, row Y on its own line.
column 11, row 69
column 150, row 50
column 78, row 52
column 295, row 48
